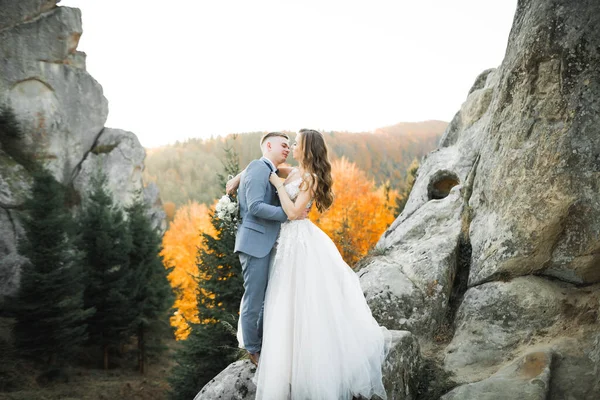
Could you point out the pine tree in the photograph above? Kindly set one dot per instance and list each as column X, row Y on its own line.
column 107, row 243
column 212, row 344
column 49, row 308
column 154, row 296
column 11, row 135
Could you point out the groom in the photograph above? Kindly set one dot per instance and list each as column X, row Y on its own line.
column 261, row 220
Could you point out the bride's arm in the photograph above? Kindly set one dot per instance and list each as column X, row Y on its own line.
column 232, row 184
column 294, row 210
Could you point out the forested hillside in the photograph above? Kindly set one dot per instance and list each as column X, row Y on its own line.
column 188, row 171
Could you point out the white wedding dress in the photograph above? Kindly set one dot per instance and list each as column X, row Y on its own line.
column 320, row 341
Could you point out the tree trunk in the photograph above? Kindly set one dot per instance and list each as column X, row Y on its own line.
column 105, row 357
column 141, row 351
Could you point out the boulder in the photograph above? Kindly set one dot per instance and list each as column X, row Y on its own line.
column 527, row 378
column 537, row 188
column 402, row 367
column 60, row 107
column 410, row 286
column 120, row 156
column 233, row 383
column 496, row 318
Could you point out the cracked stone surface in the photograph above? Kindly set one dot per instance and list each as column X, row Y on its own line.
column 120, row 156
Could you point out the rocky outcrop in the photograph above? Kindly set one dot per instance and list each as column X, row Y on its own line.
column 499, row 243
column 60, row 107
column 527, row 378
column 62, row 112
column 536, row 196
column 401, row 371
column 414, row 284
column 119, row 155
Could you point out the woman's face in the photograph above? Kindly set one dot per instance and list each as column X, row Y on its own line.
column 296, row 148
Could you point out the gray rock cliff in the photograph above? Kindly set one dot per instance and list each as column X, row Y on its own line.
column 495, row 262
column 62, row 112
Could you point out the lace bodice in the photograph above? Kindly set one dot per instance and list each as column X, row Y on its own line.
column 293, row 189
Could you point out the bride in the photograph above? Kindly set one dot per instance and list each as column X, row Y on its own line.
column 320, row 341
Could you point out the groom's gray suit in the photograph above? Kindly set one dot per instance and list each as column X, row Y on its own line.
column 261, row 220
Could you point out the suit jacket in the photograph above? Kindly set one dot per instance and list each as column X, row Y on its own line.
column 260, row 211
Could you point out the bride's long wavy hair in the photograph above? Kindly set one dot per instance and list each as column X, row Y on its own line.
column 315, row 161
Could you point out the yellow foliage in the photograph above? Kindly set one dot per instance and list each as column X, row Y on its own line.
column 360, row 213
column 180, row 247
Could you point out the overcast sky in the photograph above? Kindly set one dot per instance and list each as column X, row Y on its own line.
column 196, row 68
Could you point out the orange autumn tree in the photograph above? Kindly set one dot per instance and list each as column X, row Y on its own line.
column 180, row 247
column 360, row 213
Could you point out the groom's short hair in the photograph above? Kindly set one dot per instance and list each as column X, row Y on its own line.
column 272, row 134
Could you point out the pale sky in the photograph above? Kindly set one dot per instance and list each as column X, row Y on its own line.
column 196, row 68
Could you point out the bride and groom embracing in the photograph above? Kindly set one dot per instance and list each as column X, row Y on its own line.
column 303, row 318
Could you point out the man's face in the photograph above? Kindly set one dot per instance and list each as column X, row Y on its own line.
column 278, row 148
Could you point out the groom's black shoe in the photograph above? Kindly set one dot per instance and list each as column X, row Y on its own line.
column 254, row 358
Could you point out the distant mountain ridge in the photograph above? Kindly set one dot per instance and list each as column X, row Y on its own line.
column 188, row 170
column 414, row 128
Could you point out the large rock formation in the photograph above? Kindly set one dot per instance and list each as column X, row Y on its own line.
column 499, row 244
column 62, row 111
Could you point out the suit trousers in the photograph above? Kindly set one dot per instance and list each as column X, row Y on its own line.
column 256, row 275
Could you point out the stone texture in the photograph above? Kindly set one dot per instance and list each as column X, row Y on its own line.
column 537, row 190
column 51, row 37
column 15, row 12
column 155, row 207
column 410, row 286
column 402, row 366
column 61, row 108
column 576, row 366
column 527, row 378
column 400, row 374
column 496, row 318
column 120, row 156
column 233, row 383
